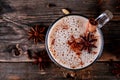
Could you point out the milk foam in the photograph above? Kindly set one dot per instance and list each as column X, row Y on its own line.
column 60, row 50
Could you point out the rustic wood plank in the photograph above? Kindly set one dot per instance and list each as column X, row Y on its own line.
column 27, row 71
column 30, row 12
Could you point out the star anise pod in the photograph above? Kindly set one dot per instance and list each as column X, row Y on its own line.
column 41, row 59
column 37, row 34
column 88, row 42
column 85, row 42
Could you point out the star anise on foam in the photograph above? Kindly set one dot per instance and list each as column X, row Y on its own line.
column 37, row 34
column 88, row 42
column 85, row 42
column 41, row 59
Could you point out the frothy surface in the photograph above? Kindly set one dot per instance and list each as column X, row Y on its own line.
column 58, row 37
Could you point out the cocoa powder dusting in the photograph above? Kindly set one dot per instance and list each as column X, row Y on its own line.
column 53, row 41
column 65, row 27
column 62, row 54
column 94, row 52
column 81, row 63
column 91, row 61
column 75, row 45
column 78, row 53
column 73, row 67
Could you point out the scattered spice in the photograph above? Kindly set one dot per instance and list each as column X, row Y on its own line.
column 53, row 41
column 65, row 27
column 49, row 5
column 41, row 59
column 91, row 61
column 78, row 54
column 75, row 45
column 37, row 34
column 94, row 52
column 81, row 63
column 65, row 11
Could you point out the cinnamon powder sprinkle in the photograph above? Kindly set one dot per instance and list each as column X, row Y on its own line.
column 94, row 52
column 53, row 41
column 75, row 45
column 65, row 27
column 81, row 63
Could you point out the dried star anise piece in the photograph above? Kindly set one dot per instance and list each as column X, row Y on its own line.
column 41, row 59
column 37, row 34
column 88, row 42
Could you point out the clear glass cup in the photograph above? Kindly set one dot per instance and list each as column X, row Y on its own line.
column 101, row 20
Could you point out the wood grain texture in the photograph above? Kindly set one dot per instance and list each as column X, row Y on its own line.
column 23, row 14
column 27, row 71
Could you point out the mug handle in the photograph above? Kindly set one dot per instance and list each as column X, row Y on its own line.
column 104, row 18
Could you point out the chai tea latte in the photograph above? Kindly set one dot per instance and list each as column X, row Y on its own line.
column 70, row 45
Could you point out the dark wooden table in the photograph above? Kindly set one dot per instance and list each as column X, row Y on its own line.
column 18, row 16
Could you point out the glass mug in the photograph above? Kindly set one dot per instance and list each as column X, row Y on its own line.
column 58, row 36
